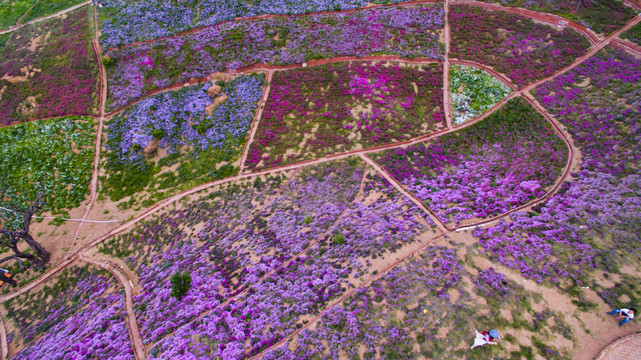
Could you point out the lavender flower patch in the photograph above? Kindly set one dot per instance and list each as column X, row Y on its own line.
column 408, row 32
column 179, row 128
column 422, row 308
column 592, row 219
column 502, row 162
column 123, row 22
column 225, row 260
column 80, row 316
column 276, row 306
column 473, row 92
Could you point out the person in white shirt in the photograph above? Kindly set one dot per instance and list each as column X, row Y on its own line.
column 625, row 314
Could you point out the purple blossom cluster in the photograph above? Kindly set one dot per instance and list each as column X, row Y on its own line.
column 599, row 102
column 126, row 21
column 81, row 316
column 491, row 283
column 512, row 44
column 248, row 291
column 407, row 32
column 178, row 119
column 340, row 107
column 502, row 162
column 633, row 34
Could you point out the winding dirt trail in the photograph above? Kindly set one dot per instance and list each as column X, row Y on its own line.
column 93, row 186
column 134, row 333
column 256, row 122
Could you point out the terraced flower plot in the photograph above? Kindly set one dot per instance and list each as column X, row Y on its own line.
column 484, row 170
column 49, row 69
column 341, row 107
column 327, row 179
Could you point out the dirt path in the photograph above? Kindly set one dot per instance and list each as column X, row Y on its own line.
column 447, row 106
column 4, row 346
column 59, row 13
column 256, row 122
column 627, row 45
column 93, row 186
column 134, row 333
column 26, row 13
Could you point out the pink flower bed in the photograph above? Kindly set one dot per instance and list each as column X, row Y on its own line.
column 340, row 107
column 61, row 71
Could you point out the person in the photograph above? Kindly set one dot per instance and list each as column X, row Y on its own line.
column 625, row 314
column 486, row 337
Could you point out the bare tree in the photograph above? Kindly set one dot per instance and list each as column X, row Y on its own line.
column 11, row 238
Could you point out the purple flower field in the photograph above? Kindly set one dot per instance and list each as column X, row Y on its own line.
column 408, row 32
column 500, row 163
column 564, row 238
column 80, row 316
column 248, row 289
column 319, row 179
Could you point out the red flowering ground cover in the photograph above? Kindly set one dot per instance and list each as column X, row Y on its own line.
column 514, row 45
column 312, row 112
column 49, row 69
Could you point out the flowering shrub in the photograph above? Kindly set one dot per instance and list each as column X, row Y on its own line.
column 340, row 107
column 232, row 307
column 49, row 70
column 504, row 161
column 633, row 34
column 593, row 218
column 410, row 313
column 80, row 316
column 407, row 32
column 491, row 283
column 512, row 44
column 602, row 16
column 202, row 145
column 123, row 22
column 473, row 92
column 54, row 156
